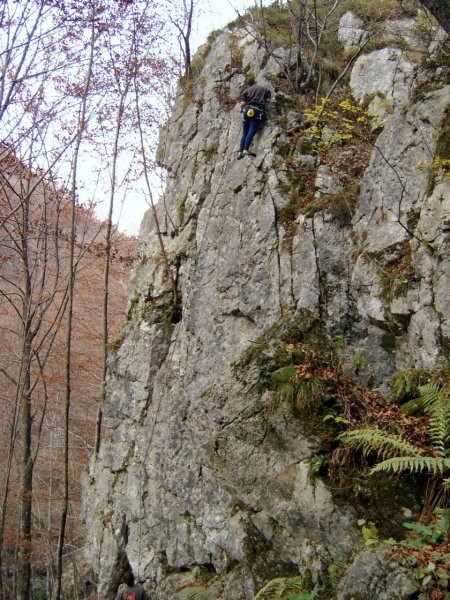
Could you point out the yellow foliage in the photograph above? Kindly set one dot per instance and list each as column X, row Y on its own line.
column 334, row 123
column 441, row 166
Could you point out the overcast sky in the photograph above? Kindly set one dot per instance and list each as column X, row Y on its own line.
column 213, row 15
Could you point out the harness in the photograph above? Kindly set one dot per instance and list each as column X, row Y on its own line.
column 252, row 111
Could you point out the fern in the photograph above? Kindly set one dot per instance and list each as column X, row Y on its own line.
column 430, row 394
column 436, row 404
column 403, row 386
column 278, row 588
column 399, row 455
column 290, row 588
column 374, row 440
column 420, row 464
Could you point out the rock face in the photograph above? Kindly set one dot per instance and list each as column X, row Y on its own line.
column 351, row 31
column 198, row 470
column 372, row 576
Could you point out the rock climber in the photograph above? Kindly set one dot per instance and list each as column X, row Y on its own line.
column 253, row 101
column 128, row 590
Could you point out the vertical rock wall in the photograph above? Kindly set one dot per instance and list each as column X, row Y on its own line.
column 197, row 469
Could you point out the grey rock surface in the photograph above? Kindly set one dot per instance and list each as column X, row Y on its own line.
column 326, row 182
column 197, row 469
column 373, row 575
column 352, row 32
column 387, row 73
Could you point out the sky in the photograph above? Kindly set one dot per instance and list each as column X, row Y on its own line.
column 212, row 15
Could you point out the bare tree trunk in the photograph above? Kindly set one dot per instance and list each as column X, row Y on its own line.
column 109, row 226
column 7, row 477
column 69, row 332
column 184, row 30
column 26, row 486
column 9, row 84
column 50, row 564
column 24, row 563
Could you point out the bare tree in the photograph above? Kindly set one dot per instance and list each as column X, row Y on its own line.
column 71, row 272
column 30, row 217
column 36, row 294
column 67, row 73
column 308, row 30
column 306, row 23
column 39, row 93
column 183, row 25
column 132, row 55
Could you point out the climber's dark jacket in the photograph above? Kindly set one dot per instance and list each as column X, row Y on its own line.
column 256, row 94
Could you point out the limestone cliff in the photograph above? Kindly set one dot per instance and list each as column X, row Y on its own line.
column 200, row 469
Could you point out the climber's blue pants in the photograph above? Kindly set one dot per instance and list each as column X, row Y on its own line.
column 249, row 128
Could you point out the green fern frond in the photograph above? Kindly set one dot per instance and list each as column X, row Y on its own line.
column 437, row 433
column 277, row 588
column 273, row 590
column 196, row 593
column 437, row 404
column 436, row 401
column 294, row 584
column 374, row 440
column 398, row 455
column 414, row 464
column 430, row 393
